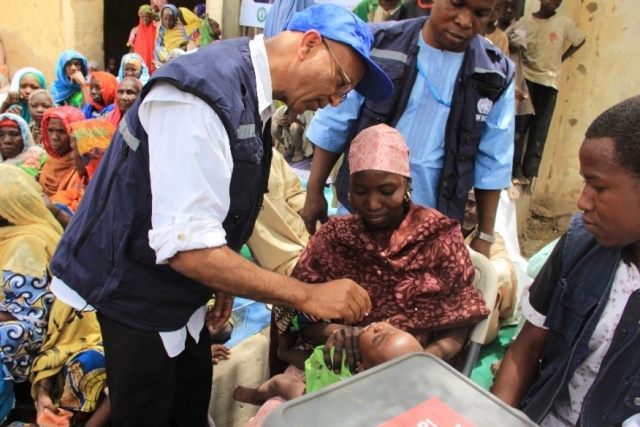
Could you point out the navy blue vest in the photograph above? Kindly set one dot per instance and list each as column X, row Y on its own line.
column 578, row 302
column 484, row 75
column 104, row 254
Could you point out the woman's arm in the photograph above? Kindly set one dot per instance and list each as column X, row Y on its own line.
column 43, row 398
column 448, row 343
column 6, row 316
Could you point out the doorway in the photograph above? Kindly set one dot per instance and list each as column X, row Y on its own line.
column 120, row 16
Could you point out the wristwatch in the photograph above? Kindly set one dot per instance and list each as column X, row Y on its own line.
column 484, row 236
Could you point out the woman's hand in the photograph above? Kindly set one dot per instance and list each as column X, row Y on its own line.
column 8, row 104
column 346, row 339
column 78, row 78
column 43, row 400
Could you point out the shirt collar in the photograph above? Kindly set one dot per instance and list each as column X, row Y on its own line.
column 263, row 77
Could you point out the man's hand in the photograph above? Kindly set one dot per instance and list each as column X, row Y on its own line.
column 221, row 310
column 314, row 210
column 481, row 246
column 343, row 339
column 338, row 299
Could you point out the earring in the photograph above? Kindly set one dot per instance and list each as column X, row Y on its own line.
column 407, row 195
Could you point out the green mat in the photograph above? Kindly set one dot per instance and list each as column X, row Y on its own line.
column 489, row 354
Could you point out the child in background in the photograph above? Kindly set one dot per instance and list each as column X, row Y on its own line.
column 378, row 343
column 494, row 34
column 39, row 102
column 546, row 33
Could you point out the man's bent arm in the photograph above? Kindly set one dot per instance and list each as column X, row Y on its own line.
column 487, row 205
column 223, row 270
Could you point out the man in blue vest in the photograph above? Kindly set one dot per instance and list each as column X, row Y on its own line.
column 453, row 102
column 576, row 361
column 177, row 195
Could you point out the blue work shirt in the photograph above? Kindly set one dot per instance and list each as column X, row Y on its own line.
column 423, row 124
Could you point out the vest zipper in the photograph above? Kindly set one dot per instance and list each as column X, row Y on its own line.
column 94, row 221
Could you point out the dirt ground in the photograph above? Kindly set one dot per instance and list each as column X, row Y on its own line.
column 540, row 231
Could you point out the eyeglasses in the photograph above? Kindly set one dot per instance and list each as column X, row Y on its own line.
column 347, row 84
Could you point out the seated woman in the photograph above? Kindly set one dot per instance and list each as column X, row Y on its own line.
column 28, row 237
column 128, row 91
column 39, row 102
column 575, row 361
column 102, row 88
column 71, row 87
column 142, row 39
column 58, row 173
column 17, row 147
column 411, row 260
column 25, row 82
column 89, row 141
column 132, row 65
column 69, row 372
column 209, row 32
column 171, row 34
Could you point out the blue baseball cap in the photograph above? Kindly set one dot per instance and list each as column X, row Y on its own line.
column 339, row 24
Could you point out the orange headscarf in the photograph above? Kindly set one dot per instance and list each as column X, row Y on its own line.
column 93, row 138
column 58, row 172
column 145, row 41
column 108, row 87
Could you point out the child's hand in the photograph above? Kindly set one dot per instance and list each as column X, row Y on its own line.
column 218, row 352
column 343, row 339
column 14, row 109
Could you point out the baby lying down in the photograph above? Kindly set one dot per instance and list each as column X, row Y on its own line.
column 378, row 343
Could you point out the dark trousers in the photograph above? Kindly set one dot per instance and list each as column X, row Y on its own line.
column 146, row 387
column 544, row 103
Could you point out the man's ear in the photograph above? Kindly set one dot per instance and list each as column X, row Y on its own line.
column 310, row 40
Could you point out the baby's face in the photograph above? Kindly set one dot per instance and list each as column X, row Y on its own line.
column 380, row 342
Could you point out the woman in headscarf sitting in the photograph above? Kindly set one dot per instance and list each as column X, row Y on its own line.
column 132, row 65
column 58, row 172
column 29, row 234
column 39, row 102
column 142, row 39
column 412, row 260
column 17, row 147
column 172, row 33
column 25, row 82
column 89, row 141
column 71, row 86
column 102, row 89
column 128, row 91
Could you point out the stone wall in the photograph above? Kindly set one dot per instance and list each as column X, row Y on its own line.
column 602, row 73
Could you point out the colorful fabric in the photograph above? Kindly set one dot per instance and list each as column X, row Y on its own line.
column 108, row 87
column 73, row 354
column 421, row 282
column 65, row 91
column 92, row 138
column 191, row 21
column 136, row 60
column 205, row 33
column 116, row 115
column 26, row 248
column 15, row 87
column 379, row 148
column 58, row 172
column 169, row 39
column 317, row 374
column 32, row 157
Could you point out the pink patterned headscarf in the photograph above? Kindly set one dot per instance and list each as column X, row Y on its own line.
column 380, row 148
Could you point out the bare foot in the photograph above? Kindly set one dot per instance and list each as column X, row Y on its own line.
column 297, row 157
column 518, row 177
column 247, row 395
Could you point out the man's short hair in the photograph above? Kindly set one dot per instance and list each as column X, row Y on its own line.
column 621, row 123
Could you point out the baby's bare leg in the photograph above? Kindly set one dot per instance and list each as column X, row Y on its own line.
column 286, row 386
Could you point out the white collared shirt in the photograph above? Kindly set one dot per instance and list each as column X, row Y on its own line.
column 190, row 166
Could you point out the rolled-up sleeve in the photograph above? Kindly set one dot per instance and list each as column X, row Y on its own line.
column 495, row 151
column 331, row 126
column 190, row 166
